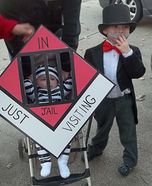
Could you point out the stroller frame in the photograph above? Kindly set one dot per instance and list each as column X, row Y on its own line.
column 27, row 143
column 27, row 146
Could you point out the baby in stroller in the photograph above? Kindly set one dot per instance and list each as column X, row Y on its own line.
column 43, row 97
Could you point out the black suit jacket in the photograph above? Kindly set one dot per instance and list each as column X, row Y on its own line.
column 128, row 68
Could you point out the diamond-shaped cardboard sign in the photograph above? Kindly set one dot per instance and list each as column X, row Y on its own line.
column 51, row 125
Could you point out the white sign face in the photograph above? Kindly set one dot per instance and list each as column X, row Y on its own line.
column 52, row 125
column 56, row 141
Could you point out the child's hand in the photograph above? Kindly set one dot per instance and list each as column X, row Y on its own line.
column 122, row 44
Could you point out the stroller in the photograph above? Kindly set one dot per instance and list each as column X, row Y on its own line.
column 27, row 146
column 79, row 143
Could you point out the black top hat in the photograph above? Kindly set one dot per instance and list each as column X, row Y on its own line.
column 116, row 14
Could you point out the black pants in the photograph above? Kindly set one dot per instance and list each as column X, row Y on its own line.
column 70, row 12
column 71, row 16
column 121, row 108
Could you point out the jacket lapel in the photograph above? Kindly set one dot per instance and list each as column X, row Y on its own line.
column 119, row 63
column 98, row 56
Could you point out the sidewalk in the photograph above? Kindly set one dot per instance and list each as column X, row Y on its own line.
column 103, row 169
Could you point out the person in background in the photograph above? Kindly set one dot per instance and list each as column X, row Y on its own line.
column 71, row 15
column 120, row 62
column 55, row 15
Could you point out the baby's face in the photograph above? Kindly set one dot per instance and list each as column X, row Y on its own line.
column 42, row 82
column 114, row 31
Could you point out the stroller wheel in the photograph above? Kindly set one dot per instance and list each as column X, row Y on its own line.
column 20, row 148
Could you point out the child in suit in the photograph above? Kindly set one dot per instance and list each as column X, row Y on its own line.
column 120, row 62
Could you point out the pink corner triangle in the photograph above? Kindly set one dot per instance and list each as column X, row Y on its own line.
column 51, row 113
column 10, row 80
column 43, row 40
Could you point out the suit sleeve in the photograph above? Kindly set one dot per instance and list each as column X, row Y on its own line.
column 88, row 57
column 6, row 27
column 134, row 65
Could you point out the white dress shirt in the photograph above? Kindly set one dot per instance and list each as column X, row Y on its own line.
column 110, row 65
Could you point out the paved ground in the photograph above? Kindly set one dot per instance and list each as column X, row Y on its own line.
column 103, row 169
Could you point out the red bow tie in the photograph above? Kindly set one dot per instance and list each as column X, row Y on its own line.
column 107, row 47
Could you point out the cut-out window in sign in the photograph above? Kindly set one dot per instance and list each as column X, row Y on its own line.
column 48, row 91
